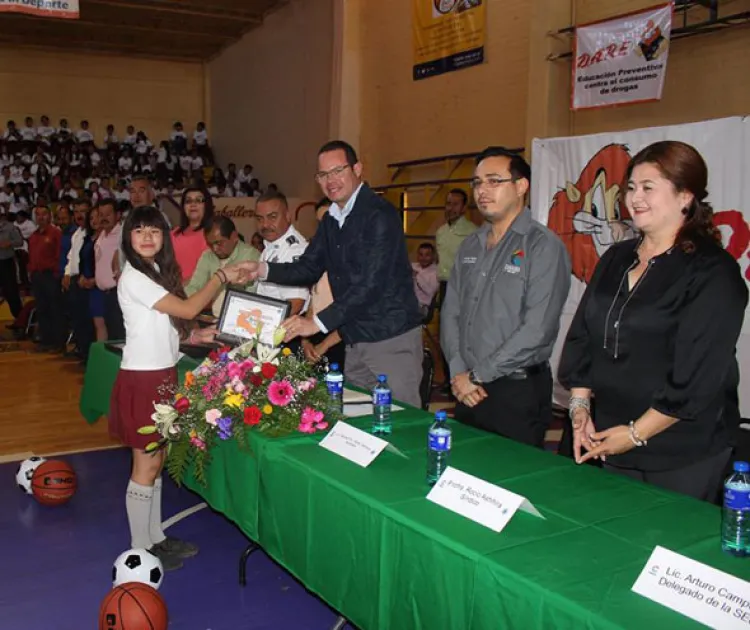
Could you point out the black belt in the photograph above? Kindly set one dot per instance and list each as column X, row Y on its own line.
column 525, row 372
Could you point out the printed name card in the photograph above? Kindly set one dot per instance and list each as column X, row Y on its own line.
column 705, row 594
column 478, row 500
column 353, row 444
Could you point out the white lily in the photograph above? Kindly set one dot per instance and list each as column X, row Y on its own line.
column 164, row 417
column 268, row 354
column 243, row 351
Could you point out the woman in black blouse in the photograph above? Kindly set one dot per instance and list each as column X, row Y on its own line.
column 654, row 336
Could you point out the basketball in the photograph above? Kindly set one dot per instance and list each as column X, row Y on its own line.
column 133, row 606
column 53, row 482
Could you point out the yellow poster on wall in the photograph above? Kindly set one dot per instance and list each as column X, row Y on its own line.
column 448, row 35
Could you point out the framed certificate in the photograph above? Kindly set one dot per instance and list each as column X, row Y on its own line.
column 244, row 315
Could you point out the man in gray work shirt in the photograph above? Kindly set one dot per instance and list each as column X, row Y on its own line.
column 502, row 308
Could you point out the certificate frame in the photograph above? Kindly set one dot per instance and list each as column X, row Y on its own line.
column 242, row 311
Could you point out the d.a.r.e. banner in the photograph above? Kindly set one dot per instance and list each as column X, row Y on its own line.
column 448, row 35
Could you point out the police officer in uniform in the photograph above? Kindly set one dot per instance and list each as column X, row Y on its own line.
column 502, row 307
column 283, row 244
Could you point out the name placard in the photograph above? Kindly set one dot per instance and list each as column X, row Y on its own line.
column 478, row 500
column 353, row 444
column 693, row 589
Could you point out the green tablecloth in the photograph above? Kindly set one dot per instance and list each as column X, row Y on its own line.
column 369, row 543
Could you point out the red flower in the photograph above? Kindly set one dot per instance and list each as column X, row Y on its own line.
column 268, row 370
column 215, row 355
column 252, row 415
column 182, row 405
column 256, row 380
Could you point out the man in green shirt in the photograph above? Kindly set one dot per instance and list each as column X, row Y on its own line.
column 450, row 236
column 448, row 239
column 224, row 248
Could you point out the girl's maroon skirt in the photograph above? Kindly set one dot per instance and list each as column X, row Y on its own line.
column 132, row 403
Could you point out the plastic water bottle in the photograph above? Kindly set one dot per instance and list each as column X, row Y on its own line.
column 438, row 447
column 381, row 406
column 735, row 518
column 335, row 385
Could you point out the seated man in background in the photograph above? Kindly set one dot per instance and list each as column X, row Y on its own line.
column 224, row 248
column 425, row 273
column 283, row 244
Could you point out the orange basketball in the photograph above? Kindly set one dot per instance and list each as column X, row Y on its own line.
column 133, row 606
column 54, row 482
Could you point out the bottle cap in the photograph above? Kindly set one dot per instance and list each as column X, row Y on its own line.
column 334, row 367
column 382, row 378
column 441, row 415
column 741, row 467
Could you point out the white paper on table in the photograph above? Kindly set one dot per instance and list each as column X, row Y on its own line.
column 696, row 590
column 477, row 499
column 353, row 444
column 358, row 410
column 351, row 396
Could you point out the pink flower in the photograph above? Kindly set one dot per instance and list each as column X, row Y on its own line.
column 306, row 386
column 280, row 393
column 320, row 426
column 306, row 427
column 234, row 370
column 198, row 443
column 238, row 386
column 212, row 416
column 311, row 416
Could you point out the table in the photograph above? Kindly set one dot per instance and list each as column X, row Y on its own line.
column 367, row 541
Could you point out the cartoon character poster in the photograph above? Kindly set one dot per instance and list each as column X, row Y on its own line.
column 576, row 186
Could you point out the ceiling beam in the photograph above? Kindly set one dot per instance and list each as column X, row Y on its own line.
column 182, row 9
column 35, row 22
column 116, row 48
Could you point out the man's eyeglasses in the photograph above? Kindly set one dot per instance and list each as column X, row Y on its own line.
column 491, row 182
column 335, row 173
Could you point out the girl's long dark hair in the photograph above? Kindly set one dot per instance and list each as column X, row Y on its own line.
column 165, row 272
column 208, row 209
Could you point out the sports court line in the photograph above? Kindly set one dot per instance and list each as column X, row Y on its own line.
column 106, row 447
column 15, row 457
column 184, row 514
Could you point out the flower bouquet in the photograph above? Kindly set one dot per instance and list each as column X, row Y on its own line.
column 231, row 393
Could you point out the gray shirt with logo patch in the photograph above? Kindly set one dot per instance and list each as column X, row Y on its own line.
column 502, row 307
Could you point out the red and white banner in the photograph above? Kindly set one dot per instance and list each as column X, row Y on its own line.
column 575, row 191
column 65, row 9
column 622, row 60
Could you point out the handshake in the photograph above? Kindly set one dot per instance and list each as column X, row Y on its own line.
column 245, row 272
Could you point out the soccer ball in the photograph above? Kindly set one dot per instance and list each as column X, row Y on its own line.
column 138, row 565
column 26, row 472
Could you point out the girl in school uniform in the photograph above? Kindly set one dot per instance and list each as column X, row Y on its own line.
column 157, row 314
